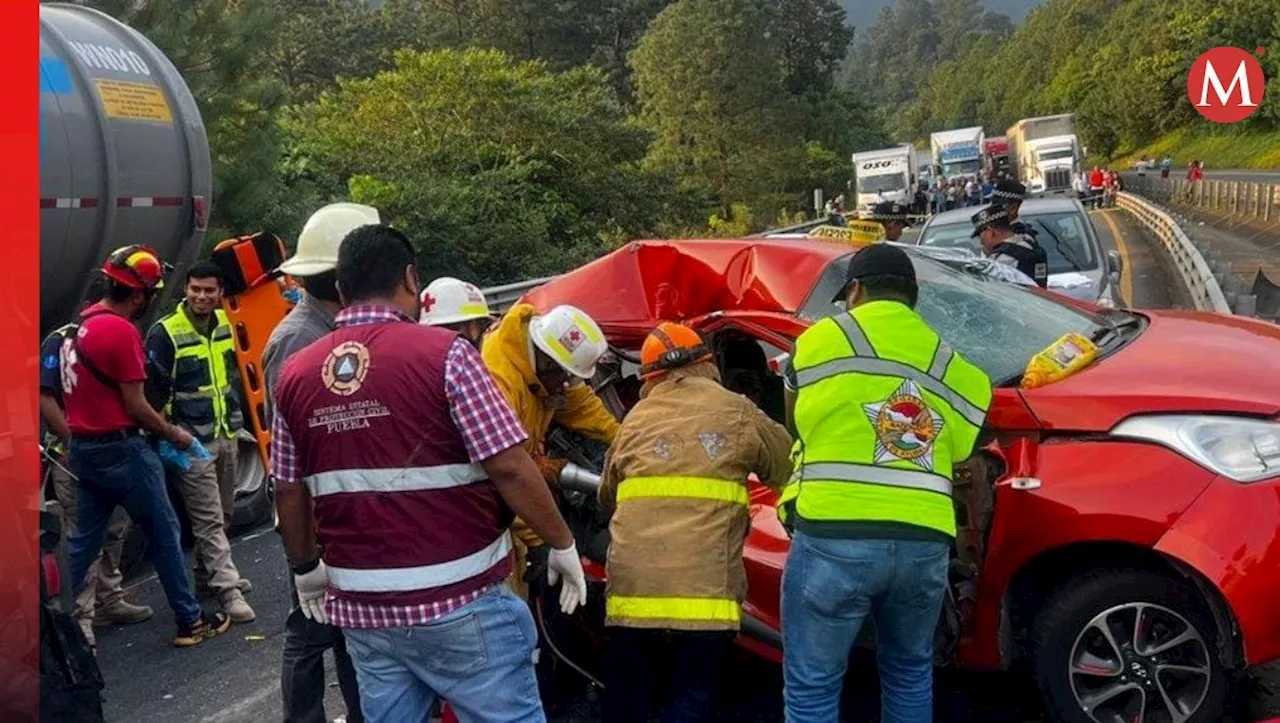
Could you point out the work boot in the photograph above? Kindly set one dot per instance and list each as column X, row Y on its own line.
column 207, row 626
column 121, row 611
column 237, row 609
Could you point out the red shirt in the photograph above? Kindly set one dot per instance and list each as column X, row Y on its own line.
column 1095, row 179
column 115, row 346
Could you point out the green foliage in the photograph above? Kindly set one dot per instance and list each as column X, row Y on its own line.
column 499, row 170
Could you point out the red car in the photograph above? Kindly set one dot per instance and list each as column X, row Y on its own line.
column 1118, row 541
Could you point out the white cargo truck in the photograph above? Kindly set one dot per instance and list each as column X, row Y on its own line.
column 1045, row 153
column 888, row 174
column 958, row 153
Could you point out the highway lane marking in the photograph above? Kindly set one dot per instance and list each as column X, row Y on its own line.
column 1126, row 274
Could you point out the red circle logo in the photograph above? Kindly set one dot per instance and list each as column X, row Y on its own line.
column 1225, row 85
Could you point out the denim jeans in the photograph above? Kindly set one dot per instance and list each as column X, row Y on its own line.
column 479, row 658
column 125, row 472
column 829, row 587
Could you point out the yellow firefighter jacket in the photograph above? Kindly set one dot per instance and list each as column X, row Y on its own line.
column 508, row 353
column 676, row 478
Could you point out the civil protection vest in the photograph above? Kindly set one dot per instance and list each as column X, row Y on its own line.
column 883, row 409
column 64, row 332
column 206, row 379
column 404, row 516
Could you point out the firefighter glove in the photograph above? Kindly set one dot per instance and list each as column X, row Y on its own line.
column 311, row 589
column 574, row 590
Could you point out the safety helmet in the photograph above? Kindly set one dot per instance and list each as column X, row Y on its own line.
column 571, row 338
column 448, row 301
column 136, row 266
column 670, row 346
column 323, row 233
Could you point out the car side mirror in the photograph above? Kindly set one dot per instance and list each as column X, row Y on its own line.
column 1115, row 263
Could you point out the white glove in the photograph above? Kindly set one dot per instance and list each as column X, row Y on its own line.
column 311, row 589
column 574, row 590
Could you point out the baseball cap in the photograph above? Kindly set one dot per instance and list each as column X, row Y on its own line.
column 880, row 259
column 889, row 211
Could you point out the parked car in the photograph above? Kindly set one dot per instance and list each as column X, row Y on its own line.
column 1118, row 541
column 1078, row 265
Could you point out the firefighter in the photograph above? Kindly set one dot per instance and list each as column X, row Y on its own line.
column 457, row 306
column 1003, row 244
column 542, row 363
column 676, row 483
column 193, row 377
column 892, row 216
column 885, row 409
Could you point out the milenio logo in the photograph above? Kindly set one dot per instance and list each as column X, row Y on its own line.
column 1238, row 97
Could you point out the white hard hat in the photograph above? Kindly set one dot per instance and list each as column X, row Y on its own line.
column 448, row 300
column 571, row 338
column 323, row 233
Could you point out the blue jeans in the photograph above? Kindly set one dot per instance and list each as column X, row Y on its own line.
column 125, row 472
column 479, row 658
column 829, row 587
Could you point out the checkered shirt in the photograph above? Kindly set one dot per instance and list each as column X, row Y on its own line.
column 483, row 419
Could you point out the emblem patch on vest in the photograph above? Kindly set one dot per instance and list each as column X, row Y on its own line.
column 344, row 369
column 905, row 427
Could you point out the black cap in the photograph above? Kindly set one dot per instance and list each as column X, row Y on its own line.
column 880, row 259
column 1008, row 190
column 992, row 215
column 889, row 211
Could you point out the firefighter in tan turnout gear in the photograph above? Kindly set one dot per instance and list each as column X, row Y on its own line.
column 676, row 481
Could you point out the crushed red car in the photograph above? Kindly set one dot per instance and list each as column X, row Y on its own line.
column 1118, row 541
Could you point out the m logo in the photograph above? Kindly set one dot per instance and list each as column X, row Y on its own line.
column 1225, row 84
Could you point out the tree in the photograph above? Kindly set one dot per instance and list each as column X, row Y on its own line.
column 497, row 169
column 815, row 42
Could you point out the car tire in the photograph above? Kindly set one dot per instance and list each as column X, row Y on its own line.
column 1071, row 655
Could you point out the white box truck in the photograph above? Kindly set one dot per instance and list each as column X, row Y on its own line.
column 888, row 174
column 958, row 153
column 1045, row 152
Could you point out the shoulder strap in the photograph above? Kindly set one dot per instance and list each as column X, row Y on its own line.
column 94, row 369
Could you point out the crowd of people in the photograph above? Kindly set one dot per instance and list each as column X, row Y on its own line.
column 412, row 478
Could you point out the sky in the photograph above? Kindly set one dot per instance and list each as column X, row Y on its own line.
column 862, row 13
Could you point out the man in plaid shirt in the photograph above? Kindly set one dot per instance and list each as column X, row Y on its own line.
column 414, row 463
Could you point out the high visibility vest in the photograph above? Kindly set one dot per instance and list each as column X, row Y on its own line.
column 64, row 332
column 883, row 409
column 206, row 380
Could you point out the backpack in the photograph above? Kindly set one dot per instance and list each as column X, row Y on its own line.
column 70, row 681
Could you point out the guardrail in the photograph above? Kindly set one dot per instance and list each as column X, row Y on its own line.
column 504, row 297
column 1199, row 278
column 1243, row 199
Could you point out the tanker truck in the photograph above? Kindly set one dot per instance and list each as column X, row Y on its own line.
column 124, row 159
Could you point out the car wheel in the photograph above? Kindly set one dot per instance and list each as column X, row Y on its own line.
column 253, row 498
column 1128, row 645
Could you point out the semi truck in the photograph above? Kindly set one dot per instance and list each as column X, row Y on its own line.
column 1045, row 152
column 995, row 155
column 888, row 174
column 958, row 153
column 124, row 159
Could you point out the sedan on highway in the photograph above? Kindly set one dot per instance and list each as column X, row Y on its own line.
column 1078, row 265
column 1118, row 538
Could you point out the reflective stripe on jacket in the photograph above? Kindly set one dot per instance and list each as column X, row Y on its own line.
column 205, row 393
column 676, row 478
column 883, row 410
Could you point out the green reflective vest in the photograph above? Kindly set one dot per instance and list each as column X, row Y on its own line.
column 883, row 409
column 205, row 395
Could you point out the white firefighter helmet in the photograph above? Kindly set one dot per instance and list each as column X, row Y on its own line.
column 323, row 233
column 571, row 338
column 448, row 301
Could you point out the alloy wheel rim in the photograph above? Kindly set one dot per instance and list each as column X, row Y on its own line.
column 1139, row 663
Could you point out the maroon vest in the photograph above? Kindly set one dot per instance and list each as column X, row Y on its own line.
column 405, row 518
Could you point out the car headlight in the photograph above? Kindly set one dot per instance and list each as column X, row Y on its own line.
column 1242, row 449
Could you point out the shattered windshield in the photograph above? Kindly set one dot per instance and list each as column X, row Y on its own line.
column 994, row 324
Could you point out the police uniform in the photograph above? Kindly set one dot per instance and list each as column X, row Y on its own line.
column 888, row 211
column 1020, row 250
column 1009, row 191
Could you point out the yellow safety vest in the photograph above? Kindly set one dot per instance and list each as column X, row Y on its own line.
column 206, row 379
column 883, row 409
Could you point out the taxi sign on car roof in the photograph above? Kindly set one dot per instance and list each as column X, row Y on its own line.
column 856, row 234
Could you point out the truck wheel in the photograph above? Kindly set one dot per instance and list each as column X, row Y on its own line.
column 1128, row 645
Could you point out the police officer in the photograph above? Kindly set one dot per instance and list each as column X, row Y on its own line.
column 1000, row 242
column 892, row 216
column 885, row 409
column 1010, row 194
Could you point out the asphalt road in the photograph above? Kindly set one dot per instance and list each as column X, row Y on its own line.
column 1148, row 279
